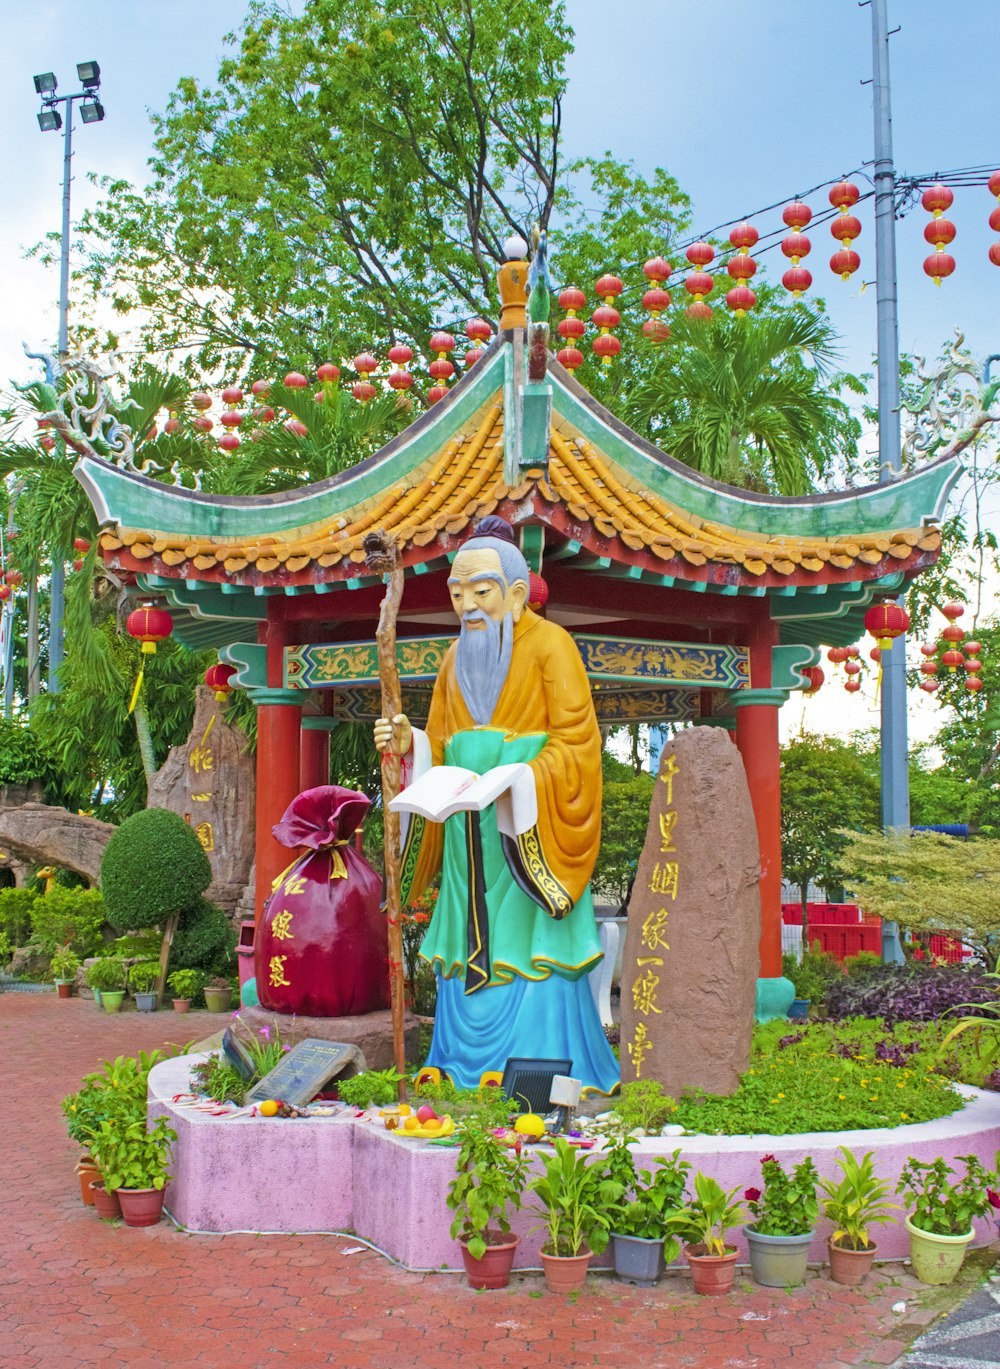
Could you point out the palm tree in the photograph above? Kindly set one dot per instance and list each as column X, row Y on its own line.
column 750, row 401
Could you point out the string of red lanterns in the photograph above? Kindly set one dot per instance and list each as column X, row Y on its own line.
column 571, row 328
column 795, row 245
column 939, row 232
column 699, row 284
column 656, row 299
column 742, row 268
column 994, row 189
column 846, row 228
column 605, row 317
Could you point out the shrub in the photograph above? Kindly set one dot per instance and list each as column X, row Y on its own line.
column 642, row 1103
column 374, row 1088
column 862, row 962
column 908, row 993
column 153, row 866
column 186, row 983
column 21, row 759
column 16, row 907
column 813, row 976
column 109, row 974
column 69, row 917
column 204, row 940
column 143, row 976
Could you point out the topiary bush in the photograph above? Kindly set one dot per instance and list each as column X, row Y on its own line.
column 908, row 993
column 204, row 940
column 153, row 866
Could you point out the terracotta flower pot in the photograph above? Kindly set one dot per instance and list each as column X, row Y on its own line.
column 936, row 1259
column 565, row 1273
column 107, row 1204
column 493, row 1269
column 64, row 988
column 849, row 1266
column 87, row 1172
column 181, row 1004
column 713, row 1275
column 141, row 1206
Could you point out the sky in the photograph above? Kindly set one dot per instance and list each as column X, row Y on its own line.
column 746, row 105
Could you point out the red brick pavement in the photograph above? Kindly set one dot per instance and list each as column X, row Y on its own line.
column 79, row 1292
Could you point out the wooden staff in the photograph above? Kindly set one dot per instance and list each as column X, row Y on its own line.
column 382, row 558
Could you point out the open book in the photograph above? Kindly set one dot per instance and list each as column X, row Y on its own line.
column 447, row 789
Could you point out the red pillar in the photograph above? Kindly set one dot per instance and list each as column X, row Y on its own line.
column 278, row 717
column 314, row 753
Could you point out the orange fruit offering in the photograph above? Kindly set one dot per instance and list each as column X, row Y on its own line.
column 269, row 1108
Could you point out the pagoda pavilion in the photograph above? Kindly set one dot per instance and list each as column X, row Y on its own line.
column 690, row 601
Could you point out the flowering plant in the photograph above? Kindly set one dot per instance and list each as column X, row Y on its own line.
column 787, row 1205
column 415, row 920
column 942, row 1206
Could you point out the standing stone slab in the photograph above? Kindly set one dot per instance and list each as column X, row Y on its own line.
column 691, row 961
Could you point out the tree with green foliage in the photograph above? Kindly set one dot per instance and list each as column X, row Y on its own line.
column 153, row 866
column 624, row 819
column 825, row 788
column 929, row 882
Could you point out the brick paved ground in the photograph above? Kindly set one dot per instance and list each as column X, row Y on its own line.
column 79, row 1292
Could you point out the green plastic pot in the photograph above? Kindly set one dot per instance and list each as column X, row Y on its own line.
column 936, row 1259
column 111, row 999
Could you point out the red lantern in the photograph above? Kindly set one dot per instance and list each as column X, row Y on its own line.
column 606, row 346
column 295, row 380
column 929, row 686
column 201, row 401
column 171, row 425
column 796, row 246
column 5, row 593
column 442, row 343
column 993, row 185
column 436, row 392
column 571, row 327
column 796, row 280
column 875, row 654
column 995, row 219
column 570, row 358
column 655, row 301
column 478, row 330
column 938, row 266
column 363, row 391
column 852, row 686
column 441, row 369
column 741, row 268
column 655, row 330
column 328, row 373
column 928, row 667
column 937, row 199
column 399, row 379
column 203, row 424
column 264, row 413
column 296, row 427
column 927, row 649
column 838, row 654
column 81, row 544
column 973, row 666
column 608, row 287
column 885, row 622
column 219, row 677
column 972, row 648
column 796, row 215
column 843, row 195
column 744, row 236
column 606, row 318
column 974, row 683
column 364, row 363
column 740, row 299
column 699, row 284
column 953, row 611
column 844, row 264
column 572, row 300
column 47, row 442
column 852, row 667
column 700, row 253
column 260, row 387
column 846, row 229
column 538, row 592
column 229, row 442
column 994, row 254
column 232, row 395
column 231, row 419
column 953, row 633
column 657, row 269
column 400, row 355
column 815, row 676
column 149, row 626
column 474, row 354
column 699, row 310
column 952, row 659
column 939, row 233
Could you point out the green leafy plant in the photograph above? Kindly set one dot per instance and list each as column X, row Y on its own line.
column 266, row 1050
column 64, row 965
column 373, row 1088
column 217, row 1078
column 153, row 866
column 186, row 983
column 204, row 940
column 813, row 976
column 856, row 1201
column 787, row 1205
column 131, row 1154
column 707, row 1218
column 648, row 1195
column 643, row 1104
column 69, row 917
column 109, row 974
column 488, row 1105
column 488, row 1185
column 982, row 1023
column 576, row 1201
column 16, row 907
column 143, row 977
column 941, row 1204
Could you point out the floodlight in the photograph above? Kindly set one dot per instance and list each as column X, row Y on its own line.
column 89, row 74
column 91, row 111
column 49, row 120
column 46, row 83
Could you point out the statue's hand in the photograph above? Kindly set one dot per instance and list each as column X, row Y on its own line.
column 395, row 736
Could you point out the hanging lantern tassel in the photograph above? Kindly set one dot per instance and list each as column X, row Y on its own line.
column 135, row 691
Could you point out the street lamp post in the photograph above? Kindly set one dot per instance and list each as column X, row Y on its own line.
column 50, row 120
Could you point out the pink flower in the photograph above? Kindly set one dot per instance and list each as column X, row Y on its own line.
column 286, row 1048
column 752, row 1195
column 766, row 1158
column 993, row 1197
column 265, row 1032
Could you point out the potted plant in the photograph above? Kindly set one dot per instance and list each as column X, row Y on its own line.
column 218, row 995
column 703, row 1223
column 576, row 1203
column 64, row 965
column 784, row 1222
column 940, row 1223
column 84, row 1111
column 108, row 975
column 142, row 979
column 135, row 1160
column 854, row 1202
column 185, row 984
column 488, row 1184
column 640, row 1245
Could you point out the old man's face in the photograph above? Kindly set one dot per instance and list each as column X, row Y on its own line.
column 488, row 609
column 477, row 582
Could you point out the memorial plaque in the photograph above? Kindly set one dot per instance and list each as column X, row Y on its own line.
column 690, row 965
column 306, row 1070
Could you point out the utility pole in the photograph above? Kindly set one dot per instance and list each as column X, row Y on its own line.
column 894, row 758
column 50, row 120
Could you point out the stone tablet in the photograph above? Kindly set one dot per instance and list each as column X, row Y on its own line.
column 306, row 1070
column 691, row 960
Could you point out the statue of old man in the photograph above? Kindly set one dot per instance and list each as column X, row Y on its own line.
column 513, row 935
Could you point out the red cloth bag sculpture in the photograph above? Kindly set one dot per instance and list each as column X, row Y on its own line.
column 321, row 948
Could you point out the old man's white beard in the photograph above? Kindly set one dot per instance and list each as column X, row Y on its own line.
column 482, row 662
